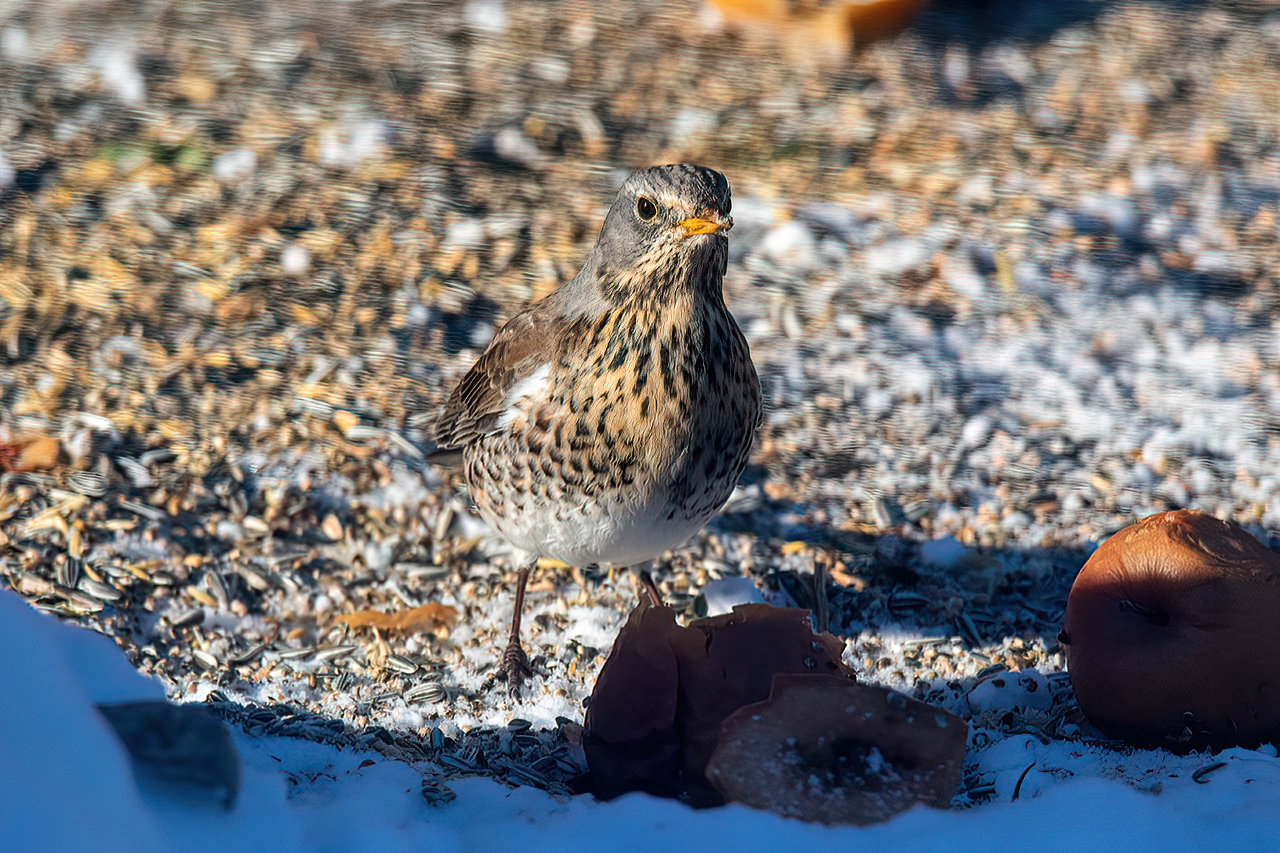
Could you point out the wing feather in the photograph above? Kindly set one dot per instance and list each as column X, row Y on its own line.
column 527, row 342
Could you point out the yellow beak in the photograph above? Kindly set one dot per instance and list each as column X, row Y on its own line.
column 697, row 225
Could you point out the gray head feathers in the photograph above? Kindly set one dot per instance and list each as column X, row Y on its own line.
column 664, row 218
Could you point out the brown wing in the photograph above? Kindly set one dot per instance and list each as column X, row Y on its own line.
column 526, row 342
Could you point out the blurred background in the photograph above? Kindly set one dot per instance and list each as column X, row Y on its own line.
column 1008, row 270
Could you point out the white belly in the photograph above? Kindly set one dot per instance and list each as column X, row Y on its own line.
column 619, row 535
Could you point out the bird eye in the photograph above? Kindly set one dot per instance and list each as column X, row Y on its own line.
column 646, row 209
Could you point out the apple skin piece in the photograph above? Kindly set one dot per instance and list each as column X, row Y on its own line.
column 829, row 750
column 655, row 713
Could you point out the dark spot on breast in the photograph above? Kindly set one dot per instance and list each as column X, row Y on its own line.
column 710, row 469
column 641, row 369
column 695, row 453
column 666, row 366
column 619, row 356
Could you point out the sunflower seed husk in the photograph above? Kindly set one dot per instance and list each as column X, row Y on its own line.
column 33, row 585
column 437, row 793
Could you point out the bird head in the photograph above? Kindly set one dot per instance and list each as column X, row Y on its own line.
column 667, row 228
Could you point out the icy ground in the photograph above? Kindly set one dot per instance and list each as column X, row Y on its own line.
column 66, row 784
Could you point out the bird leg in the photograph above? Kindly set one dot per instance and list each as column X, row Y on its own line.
column 515, row 663
column 649, row 588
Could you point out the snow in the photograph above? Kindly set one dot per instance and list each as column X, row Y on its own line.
column 66, row 784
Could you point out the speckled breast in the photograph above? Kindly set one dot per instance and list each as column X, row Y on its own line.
column 626, row 452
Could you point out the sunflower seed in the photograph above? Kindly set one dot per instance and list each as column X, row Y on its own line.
column 218, row 589
column 568, row 766
column 143, row 510
column 100, row 591
column 456, row 762
column 68, row 572
column 97, row 423
column 157, row 456
column 79, row 602
column 255, row 525
column 429, row 693
column 1202, row 775
column 421, row 571
column 136, row 472
column 187, row 618
column 443, row 522
column 923, row 642
column 968, row 630
column 401, row 664
column 901, row 603
column 333, row 653
column 247, row 656
column 205, row 659
column 546, row 764
column 359, row 432
column 88, row 483
column 257, row 579
column 527, row 776
column 307, row 405
column 404, row 445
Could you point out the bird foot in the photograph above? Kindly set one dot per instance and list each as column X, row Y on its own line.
column 515, row 667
